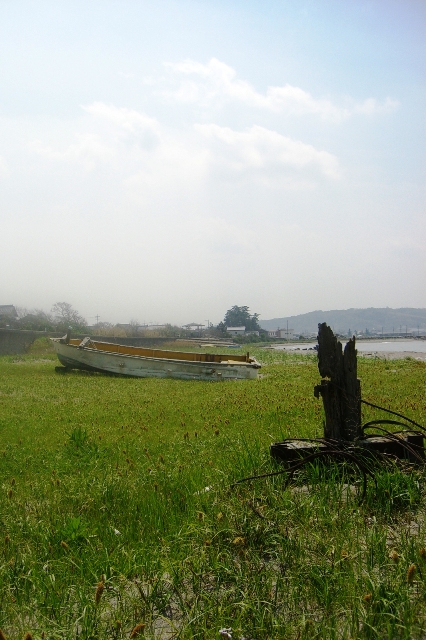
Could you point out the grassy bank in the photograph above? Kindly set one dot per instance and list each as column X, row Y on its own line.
column 116, row 509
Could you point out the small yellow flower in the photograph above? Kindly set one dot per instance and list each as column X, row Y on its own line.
column 239, row 541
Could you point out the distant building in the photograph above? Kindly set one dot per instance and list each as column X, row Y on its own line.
column 8, row 310
column 286, row 334
column 152, row 327
column 236, row 331
column 193, row 326
column 140, row 327
column 126, row 326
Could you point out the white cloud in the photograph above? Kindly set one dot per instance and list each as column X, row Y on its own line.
column 216, row 82
column 88, row 150
column 264, row 150
column 371, row 106
column 109, row 128
column 128, row 120
column 143, row 152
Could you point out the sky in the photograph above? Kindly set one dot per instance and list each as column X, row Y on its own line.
column 162, row 161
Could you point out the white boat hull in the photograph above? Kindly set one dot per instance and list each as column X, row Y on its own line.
column 95, row 356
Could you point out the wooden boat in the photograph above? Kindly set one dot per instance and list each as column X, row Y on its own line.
column 94, row 355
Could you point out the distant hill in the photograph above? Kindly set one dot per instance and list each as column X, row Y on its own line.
column 354, row 321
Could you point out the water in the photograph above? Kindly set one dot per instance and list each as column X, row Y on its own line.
column 393, row 346
column 388, row 346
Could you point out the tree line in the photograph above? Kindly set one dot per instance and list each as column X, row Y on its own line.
column 63, row 315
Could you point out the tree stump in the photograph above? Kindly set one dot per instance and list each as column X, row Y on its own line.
column 340, row 388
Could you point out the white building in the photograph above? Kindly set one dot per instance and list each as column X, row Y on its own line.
column 284, row 334
column 236, row 331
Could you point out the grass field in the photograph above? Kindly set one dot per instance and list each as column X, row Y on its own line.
column 116, row 509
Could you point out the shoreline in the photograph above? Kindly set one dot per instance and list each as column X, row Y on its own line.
column 382, row 355
column 393, row 355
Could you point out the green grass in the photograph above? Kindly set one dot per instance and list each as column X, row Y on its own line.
column 127, row 482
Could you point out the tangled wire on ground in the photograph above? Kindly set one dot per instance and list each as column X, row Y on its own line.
column 359, row 456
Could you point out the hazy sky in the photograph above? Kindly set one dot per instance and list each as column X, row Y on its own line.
column 166, row 160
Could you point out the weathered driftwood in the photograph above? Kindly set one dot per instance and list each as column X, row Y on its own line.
column 340, row 388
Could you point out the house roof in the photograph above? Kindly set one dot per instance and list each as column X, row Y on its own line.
column 235, row 328
column 8, row 310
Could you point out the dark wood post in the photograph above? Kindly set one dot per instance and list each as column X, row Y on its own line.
column 340, row 388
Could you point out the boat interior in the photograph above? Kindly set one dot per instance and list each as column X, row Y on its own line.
column 88, row 343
